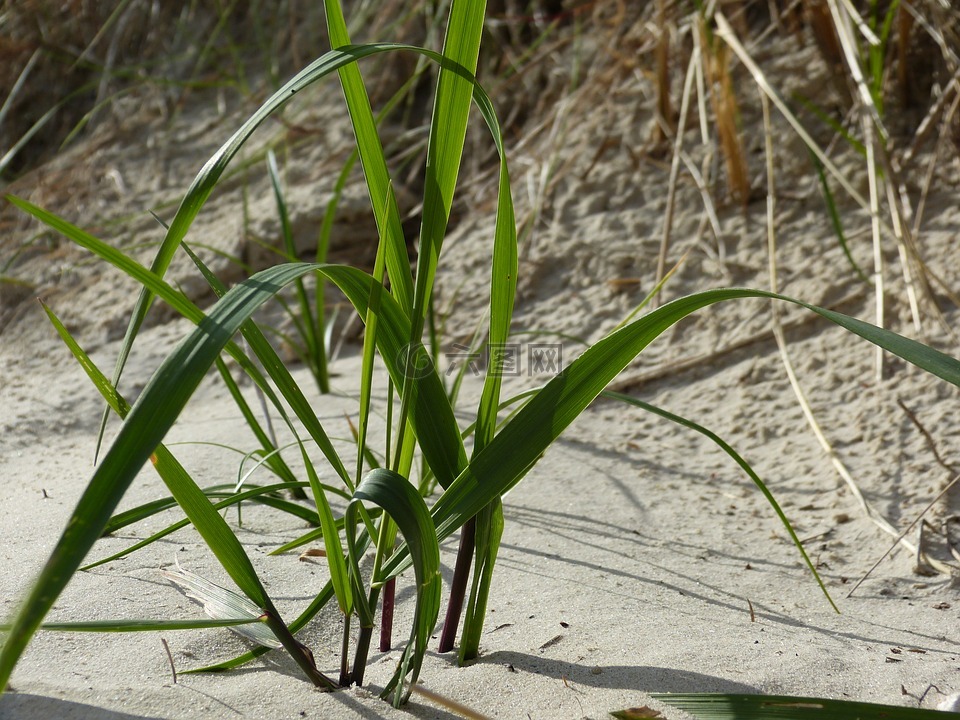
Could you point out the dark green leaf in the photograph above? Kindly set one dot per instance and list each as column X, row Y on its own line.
column 768, row 707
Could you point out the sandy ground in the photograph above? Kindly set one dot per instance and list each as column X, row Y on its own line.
column 637, row 558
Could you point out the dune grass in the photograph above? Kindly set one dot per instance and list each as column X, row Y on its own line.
column 473, row 466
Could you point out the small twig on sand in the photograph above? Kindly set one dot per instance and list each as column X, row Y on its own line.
column 952, row 469
column 901, row 536
column 451, row 705
column 173, row 669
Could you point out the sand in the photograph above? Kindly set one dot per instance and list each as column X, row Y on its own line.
column 637, row 557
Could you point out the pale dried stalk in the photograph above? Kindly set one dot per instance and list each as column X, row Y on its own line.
column 701, row 179
column 725, row 32
column 900, row 216
column 876, row 148
column 867, row 33
column 701, row 93
column 931, row 167
column 538, row 183
column 841, row 22
column 778, row 334
column 927, row 124
column 675, row 169
column 934, row 563
column 716, row 61
column 948, row 52
column 445, row 702
column 875, row 233
column 662, row 60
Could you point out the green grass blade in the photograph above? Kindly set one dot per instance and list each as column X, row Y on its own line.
column 401, row 501
column 448, row 127
column 281, row 376
column 141, row 512
column 269, row 450
column 331, row 540
column 318, row 603
column 519, row 444
column 370, row 345
column 744, row 465
column 256, row 494
column 835, row 221
column 503, row 290
column 311, row 334
column 709, row 706
column 432, row 416
column 148, row 421
column 125, row 626
column 488, row 532
column 372, row 159
column 567, row 395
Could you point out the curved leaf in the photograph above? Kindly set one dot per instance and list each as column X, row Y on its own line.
column 148, row 421
column 744, row 465
column 709, row 706
column 401, row 501
column 518, row 445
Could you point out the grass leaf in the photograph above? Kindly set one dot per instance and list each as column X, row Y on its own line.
column 708, row 706
column 401, row 501
column 148, row 421
column 744, row 465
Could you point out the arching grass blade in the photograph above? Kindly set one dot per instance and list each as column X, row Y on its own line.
column 401, row 501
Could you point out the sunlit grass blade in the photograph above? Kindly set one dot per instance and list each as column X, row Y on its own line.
column 148, row 421
column 384, row 203
column 708, row 706
column 369, row 352
column 519, row 444
column 448, row 126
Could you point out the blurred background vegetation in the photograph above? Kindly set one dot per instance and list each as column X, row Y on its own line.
column 576, row 82
column 65, row 66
